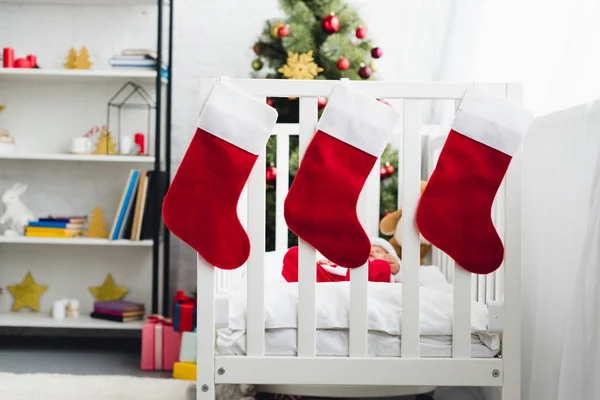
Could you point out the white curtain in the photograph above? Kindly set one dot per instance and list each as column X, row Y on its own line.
column 580, row 366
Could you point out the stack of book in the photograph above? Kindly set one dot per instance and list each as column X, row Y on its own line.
column 118, row 311
column 137, row 58
column 135, row 219
column 57, row 227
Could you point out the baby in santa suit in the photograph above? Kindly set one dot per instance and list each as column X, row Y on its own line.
column 384, row 265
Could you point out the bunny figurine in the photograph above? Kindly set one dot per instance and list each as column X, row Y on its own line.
column 16, row 215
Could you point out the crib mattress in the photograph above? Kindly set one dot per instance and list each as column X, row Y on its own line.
column 283, row 342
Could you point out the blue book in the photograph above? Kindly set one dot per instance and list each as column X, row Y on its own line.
column 48, row 224
column 125, row 205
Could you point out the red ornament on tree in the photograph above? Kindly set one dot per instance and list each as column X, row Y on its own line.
column 361, row 32
column 271, row 174
column 256, row 48
column 321, row 102
column 376, row 52
column 331, row 23
column 283, row 31
column 343, row 64
column 389, row 168
column 382, row 173
column 365, row 72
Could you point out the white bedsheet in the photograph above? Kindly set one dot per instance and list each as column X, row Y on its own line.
column 333, row 304
column 282, row 342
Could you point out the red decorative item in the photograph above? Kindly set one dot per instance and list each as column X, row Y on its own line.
column 32, row 59
column 454, row 209
column 8, row 57
column 139, row 140
column 361, row 32
column 343, row 64
column 184, row 307
column 271, row 174
column 331, row 23
column 382, row 173
column 321, row 102
column 256, row 48
column 221, row 143
column 376, row 52
column 160, row 344
column 321, row 207
column 283, row 31
column 389, row 169
column 269, row 102
column 22, row 63
column 365, row 72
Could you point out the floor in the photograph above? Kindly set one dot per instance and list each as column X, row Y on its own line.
column 72, row 355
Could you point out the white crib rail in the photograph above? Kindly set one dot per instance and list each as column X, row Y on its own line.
column 307, row 368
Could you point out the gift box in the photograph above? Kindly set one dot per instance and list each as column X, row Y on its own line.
column 187, row 353
column 185, row 371
column 184, row 312
column 160, row 344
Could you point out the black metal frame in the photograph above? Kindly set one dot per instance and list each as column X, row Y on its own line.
column 162, row 186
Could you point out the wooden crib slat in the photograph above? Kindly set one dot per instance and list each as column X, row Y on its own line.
column 281, row 189
column 307, row 273
column 359, row 277
column 410, row 183
column 461, row 329
column 511, row 340
column 255, row 325
column 205, row 316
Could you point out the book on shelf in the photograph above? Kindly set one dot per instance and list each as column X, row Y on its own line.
column 135, row 217
column 118, row 311
column 56, row 227
column 116, row 318
column 118, row 305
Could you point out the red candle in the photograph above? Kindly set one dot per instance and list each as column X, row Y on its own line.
column 8, row 57
column 138, row 139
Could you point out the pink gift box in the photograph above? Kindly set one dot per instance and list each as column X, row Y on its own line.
column 160, row 344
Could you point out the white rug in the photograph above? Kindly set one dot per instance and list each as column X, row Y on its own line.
column 89, row 387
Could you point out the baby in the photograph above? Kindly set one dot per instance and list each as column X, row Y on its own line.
column 384, row 265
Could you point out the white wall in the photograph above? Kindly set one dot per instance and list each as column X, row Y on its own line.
column 216, row 38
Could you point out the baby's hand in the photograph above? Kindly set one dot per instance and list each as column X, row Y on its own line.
column 395, row 267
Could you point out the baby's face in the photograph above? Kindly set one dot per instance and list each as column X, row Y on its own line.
column 377, row 253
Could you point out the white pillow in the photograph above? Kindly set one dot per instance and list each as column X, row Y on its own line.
column 431, row 275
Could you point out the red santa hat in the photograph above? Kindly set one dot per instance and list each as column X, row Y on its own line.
column 384, row 244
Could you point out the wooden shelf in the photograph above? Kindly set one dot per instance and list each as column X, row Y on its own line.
column 78, row 157
column 82, row 241
column 108, row 3
column 144, row 75
column 40, row 320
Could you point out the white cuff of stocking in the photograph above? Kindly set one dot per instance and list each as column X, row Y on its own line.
column 238, row 118
column 493, row 121
column 359, row 120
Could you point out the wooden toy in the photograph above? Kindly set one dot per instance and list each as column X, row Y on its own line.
column 27, row 294
column 108, row 290
column 106, row 143
column 97, row 226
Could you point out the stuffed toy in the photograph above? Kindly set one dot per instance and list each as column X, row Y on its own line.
column 390, row 226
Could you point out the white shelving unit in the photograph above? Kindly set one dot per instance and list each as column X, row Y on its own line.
column 48, row 106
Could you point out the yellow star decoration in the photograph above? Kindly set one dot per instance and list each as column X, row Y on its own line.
column 108, row 290
column 300, row 66
column 27, row 294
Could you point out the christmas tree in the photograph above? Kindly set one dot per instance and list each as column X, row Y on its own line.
column 97, row 226
column 319, row 39
column 83, row 59
column 106, row 143
column 71, row 59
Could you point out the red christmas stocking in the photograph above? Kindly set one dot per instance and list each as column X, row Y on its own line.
column 321, row 205
column 454, row 212
column 201, row 205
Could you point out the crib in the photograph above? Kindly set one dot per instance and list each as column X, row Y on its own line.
column 359, row 374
